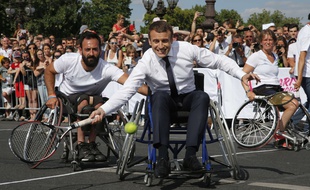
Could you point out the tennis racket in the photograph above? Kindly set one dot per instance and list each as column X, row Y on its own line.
column 277, row 99
column 34, row 142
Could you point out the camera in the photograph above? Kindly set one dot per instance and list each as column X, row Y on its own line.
column 235, row 44
column 279, row 47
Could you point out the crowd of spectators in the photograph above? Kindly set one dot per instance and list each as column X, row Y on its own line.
column 28, row 54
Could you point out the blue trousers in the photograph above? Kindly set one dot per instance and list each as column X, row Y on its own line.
column 196, row 102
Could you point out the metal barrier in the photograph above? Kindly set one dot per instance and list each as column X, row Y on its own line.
column 22, row 93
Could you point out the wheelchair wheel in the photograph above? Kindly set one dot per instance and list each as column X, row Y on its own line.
column 51, row 116
column 254, row 124
column 225, row 140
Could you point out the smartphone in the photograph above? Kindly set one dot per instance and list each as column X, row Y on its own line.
column 23, row 31
column 115, row 34
column 128, row 61
column 200, row 13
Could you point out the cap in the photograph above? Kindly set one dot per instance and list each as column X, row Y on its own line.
column 83, row 27
column 17, row 54
column 266, row 26
column 156, row 19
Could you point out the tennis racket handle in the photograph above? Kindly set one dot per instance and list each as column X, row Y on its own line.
column 82, row 123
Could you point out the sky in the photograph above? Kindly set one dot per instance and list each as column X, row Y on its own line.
column 293, row 8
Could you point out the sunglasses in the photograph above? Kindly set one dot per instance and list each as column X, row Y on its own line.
column 198, row 40
column 91, row 31
column 56, row 56
column 113, row 43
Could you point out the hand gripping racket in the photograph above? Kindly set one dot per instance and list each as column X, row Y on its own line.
column 34, row 142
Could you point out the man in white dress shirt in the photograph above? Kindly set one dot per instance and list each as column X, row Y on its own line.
column 151, row 69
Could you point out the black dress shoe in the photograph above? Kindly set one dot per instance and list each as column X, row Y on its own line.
column 162, row 168
column 192, row 164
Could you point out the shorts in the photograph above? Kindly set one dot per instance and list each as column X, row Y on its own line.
column 8, row 90
column 267, row 89
column 19, row 89
column 26, row 87
column 76, row 99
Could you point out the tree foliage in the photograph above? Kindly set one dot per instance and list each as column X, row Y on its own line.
column 64, row 17
column 277, row 17
column 101, row 15
column 225, row 14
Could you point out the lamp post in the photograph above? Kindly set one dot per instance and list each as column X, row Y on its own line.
column 15, row 10
column 210, row 15
column 160, row 10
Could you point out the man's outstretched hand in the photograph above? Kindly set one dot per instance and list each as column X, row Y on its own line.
column 97, row 115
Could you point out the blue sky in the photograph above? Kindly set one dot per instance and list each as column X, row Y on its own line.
column 293, row 8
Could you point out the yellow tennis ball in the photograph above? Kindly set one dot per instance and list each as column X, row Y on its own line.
column 131, row 127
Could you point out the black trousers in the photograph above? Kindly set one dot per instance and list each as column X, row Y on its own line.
column 196, row 102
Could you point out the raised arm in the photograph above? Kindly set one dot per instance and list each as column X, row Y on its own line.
column 49, row 78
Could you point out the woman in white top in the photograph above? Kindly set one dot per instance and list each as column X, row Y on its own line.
column 264, row 63
column 114, row 55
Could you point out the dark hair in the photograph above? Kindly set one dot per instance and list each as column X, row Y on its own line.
column 293, row 26
column 200, row 27
column 113, row 37
column 4, row 60
column 88, row 34
column 160, row 27
column 281, row 38
column 32, row 44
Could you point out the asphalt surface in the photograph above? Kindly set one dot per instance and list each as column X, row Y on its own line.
column 267, row 168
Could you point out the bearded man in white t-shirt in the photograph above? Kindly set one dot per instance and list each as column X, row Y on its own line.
column 85, row 75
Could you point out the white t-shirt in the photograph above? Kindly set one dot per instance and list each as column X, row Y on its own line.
column 303, row 44
column 77, row 80
column 291, row 53
column 267, row 71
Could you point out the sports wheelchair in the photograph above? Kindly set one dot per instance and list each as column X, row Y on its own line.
column 256, row 123
column 112, row 136
column 216, row 131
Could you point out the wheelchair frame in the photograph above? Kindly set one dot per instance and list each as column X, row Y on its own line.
column 222, row 135
column 113, row 137
column 256, row 122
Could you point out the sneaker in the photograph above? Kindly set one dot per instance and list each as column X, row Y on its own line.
column 192, row 164
column 99, row 157
column 162, row 168
column 84, row 152
column 114, row 123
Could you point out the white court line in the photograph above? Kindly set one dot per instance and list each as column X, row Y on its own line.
column 53, row 176
column 6, row 129
column 280, row 186
column 100, row 169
